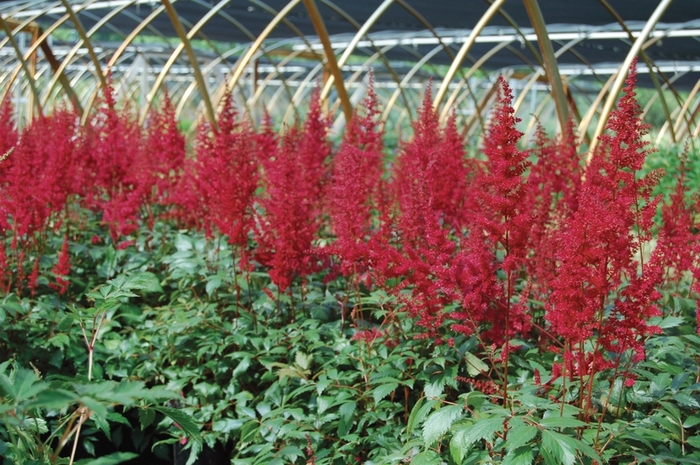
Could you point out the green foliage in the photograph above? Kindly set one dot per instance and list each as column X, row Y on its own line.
column 189, row 349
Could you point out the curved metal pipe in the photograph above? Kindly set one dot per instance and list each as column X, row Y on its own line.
column 457, row 62
column 619, row 81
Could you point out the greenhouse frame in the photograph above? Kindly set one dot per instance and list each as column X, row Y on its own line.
column 563, row 61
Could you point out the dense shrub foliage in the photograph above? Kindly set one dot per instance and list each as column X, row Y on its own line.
column 271, row 298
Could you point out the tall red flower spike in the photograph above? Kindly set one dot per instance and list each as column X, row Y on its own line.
column 62, row 270
column 551, row 193
column 498, row 237
column 434, row 158
column 677, row 233
column 294, row 179
column 355, row 191
column 117, row 187
column 227, row 175
column 44, row 172
column 162, row 156
column 598, row 246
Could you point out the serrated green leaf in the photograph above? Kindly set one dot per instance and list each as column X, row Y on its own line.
column 184, row 420
column 679, row 380
column 24, row 386
column 383, row 390
column 142, row 281
column 102, row 423
column 59, row 340
column 694, row 441
column 467, row 435
column 413, row 417
column 435, row 389
column 559, row 446
column 146, row 417
column 346, row 413
column 241, row 367
column 242, row 410
column 52, row 399
column 519, row 456
column 303, row 360
column 347, row 409
column 426, row 458
column 668, row 322
column 475, row 366
column 660, row 383
column 691, row 421
column 37, row 425
column 226, row 425
column 4, row 365
column 560, row 422
column 249, row 431
column 671, row 410
column 195, row 449
column 183, row 243
column 519, row 436
column 213, row 284
column 686, row 400
column 322, row 384
column 118, row 418
column 439, row 422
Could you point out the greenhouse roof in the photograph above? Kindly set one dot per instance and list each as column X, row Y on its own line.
column 267, row 49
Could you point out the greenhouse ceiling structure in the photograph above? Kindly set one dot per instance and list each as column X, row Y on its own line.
column 564, row 59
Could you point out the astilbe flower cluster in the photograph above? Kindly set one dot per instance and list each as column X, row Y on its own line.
column 113, row 138
column 427, row 190
column 434, row 158
column 419, row 263
column 162, row 157
column 62, row 270
column 482, row 234
column 356, row 193
column 551, row 197
column 499, row 228
column 294, row 177
column 227, row 175
column 41, row 175
column 314, row 155
column 8, row 140
column 598, row 245
column 678, row 245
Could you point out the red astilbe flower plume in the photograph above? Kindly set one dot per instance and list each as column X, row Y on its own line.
column 227, row 175
column 113, row 138
column 189, row 205
column 162, row 156
column 597, row 246
column 356, row 187
column 434, row 157
column 678, row 237
column 62, row 270
column 288, row 223
column 501, row 227
column 314, row 153
column 551, row 197
column 266, row 141
column 413, row 242
column 44, row 173
column 420, row 263
column 294, row 178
